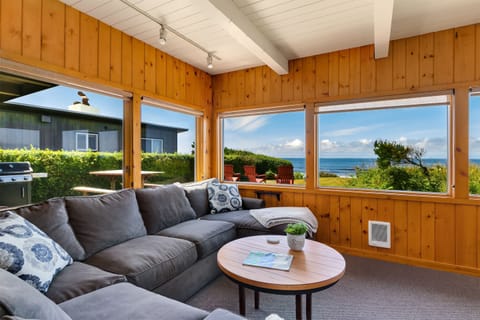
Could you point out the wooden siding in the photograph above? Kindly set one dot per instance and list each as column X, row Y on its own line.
column 436, row 231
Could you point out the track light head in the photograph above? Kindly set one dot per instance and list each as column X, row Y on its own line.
column 163, row 35
column 209, row 61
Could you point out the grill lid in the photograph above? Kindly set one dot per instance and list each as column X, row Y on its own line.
column 9, row 168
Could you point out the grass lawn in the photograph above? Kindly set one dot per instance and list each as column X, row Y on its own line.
column 324, row 182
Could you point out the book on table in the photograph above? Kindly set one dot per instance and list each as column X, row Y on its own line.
column 270, row 260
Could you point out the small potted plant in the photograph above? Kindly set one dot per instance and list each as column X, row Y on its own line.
column 296, row 235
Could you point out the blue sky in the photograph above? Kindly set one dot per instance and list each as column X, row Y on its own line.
column 342, row 134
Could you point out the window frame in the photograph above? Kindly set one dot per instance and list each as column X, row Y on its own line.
column 150, row 141
column 87, row 135
column 356, row 105
column 221, row 116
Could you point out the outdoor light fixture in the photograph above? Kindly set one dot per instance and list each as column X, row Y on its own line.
column 209, row 61
column 163, row 35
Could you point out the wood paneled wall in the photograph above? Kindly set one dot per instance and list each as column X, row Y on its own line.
column 441, row 232
column 53, row 36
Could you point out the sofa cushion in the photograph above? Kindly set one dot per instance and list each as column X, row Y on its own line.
column 80, row 278
column 125, row 301
column 208, row 236
column 163, row 207
column 34, row 305
column 147, row 261
column 245, row 223
column 26, row 251
column 103, row 221
column 52, row 218
column 223, row 197
column 197, row 195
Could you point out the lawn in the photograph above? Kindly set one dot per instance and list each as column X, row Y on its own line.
column 324, row 182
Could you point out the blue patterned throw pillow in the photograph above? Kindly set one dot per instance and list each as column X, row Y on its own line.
column 28, row 252
column 223, row 197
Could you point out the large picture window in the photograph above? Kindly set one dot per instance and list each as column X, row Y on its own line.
column 168, row 141
column 264, row 148
column 399, row 145
column 47, row 123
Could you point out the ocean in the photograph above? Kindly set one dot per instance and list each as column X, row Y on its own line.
column 345, row 167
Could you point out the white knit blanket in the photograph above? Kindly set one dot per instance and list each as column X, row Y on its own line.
column 269, row 217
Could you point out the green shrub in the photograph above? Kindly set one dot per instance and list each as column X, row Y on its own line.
column 406, row 178
column 263, row 163
column 67, row 169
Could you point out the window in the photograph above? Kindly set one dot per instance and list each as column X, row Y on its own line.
column 272, row 142
column 168, row 143
column 399, row 144
column 152, row 145
column 85, row 141
column 47, row 122
column 474, row 143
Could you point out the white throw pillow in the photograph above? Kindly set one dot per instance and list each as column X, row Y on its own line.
column 28, row 252
column 223, row 197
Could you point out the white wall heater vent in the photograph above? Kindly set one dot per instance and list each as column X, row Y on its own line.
column 379, row 234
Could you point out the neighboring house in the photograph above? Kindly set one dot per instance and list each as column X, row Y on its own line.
column 23, row 126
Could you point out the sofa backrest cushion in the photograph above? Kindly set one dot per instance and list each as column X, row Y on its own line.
column 102, row 221
column 197, row 194
column 163, row 207
column 52, row 218
column 33, row 305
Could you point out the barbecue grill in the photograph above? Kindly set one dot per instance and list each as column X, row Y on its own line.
column 15, row 183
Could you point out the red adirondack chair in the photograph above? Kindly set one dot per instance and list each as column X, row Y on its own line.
column 285, row 175
column 251, row 173
column 229, row 174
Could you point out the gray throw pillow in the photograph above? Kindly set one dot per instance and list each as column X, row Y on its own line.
column 223, row 197
column 27, row 252
column 34, row 304
column 163, row 207
column 52, row 218
column 103, row 221
column 197, row 195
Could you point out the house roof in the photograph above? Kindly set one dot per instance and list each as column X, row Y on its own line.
column 248, row 33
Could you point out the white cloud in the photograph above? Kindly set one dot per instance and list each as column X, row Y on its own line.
column 349, row 131
column 294, row 144
column 246, row 124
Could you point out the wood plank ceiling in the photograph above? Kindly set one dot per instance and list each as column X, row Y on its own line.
column 293, row 28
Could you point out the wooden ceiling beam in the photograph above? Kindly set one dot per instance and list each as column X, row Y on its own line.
column 231, row 19
column 382, row 26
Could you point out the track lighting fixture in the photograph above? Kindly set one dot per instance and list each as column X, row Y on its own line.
column 163, row 35
column 209, row 61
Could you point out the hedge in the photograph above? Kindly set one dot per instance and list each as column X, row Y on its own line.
column 67, row 169
column 263, row 163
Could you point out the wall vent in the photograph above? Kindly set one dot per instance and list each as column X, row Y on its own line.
column 379, row 234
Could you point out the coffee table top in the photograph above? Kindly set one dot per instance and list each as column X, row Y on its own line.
column 312, row 269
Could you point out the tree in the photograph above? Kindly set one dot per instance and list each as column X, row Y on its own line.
column 391, row 153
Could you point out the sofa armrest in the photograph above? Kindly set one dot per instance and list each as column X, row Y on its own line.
column 252, row 203
column 222, row 314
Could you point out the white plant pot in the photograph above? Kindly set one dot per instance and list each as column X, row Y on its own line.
column 296, row 241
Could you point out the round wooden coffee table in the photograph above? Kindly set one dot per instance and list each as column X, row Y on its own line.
column 316, row 268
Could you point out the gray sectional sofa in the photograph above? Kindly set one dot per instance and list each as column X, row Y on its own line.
column 136, row 254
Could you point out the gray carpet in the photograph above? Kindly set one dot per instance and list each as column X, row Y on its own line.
column 370, row 289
